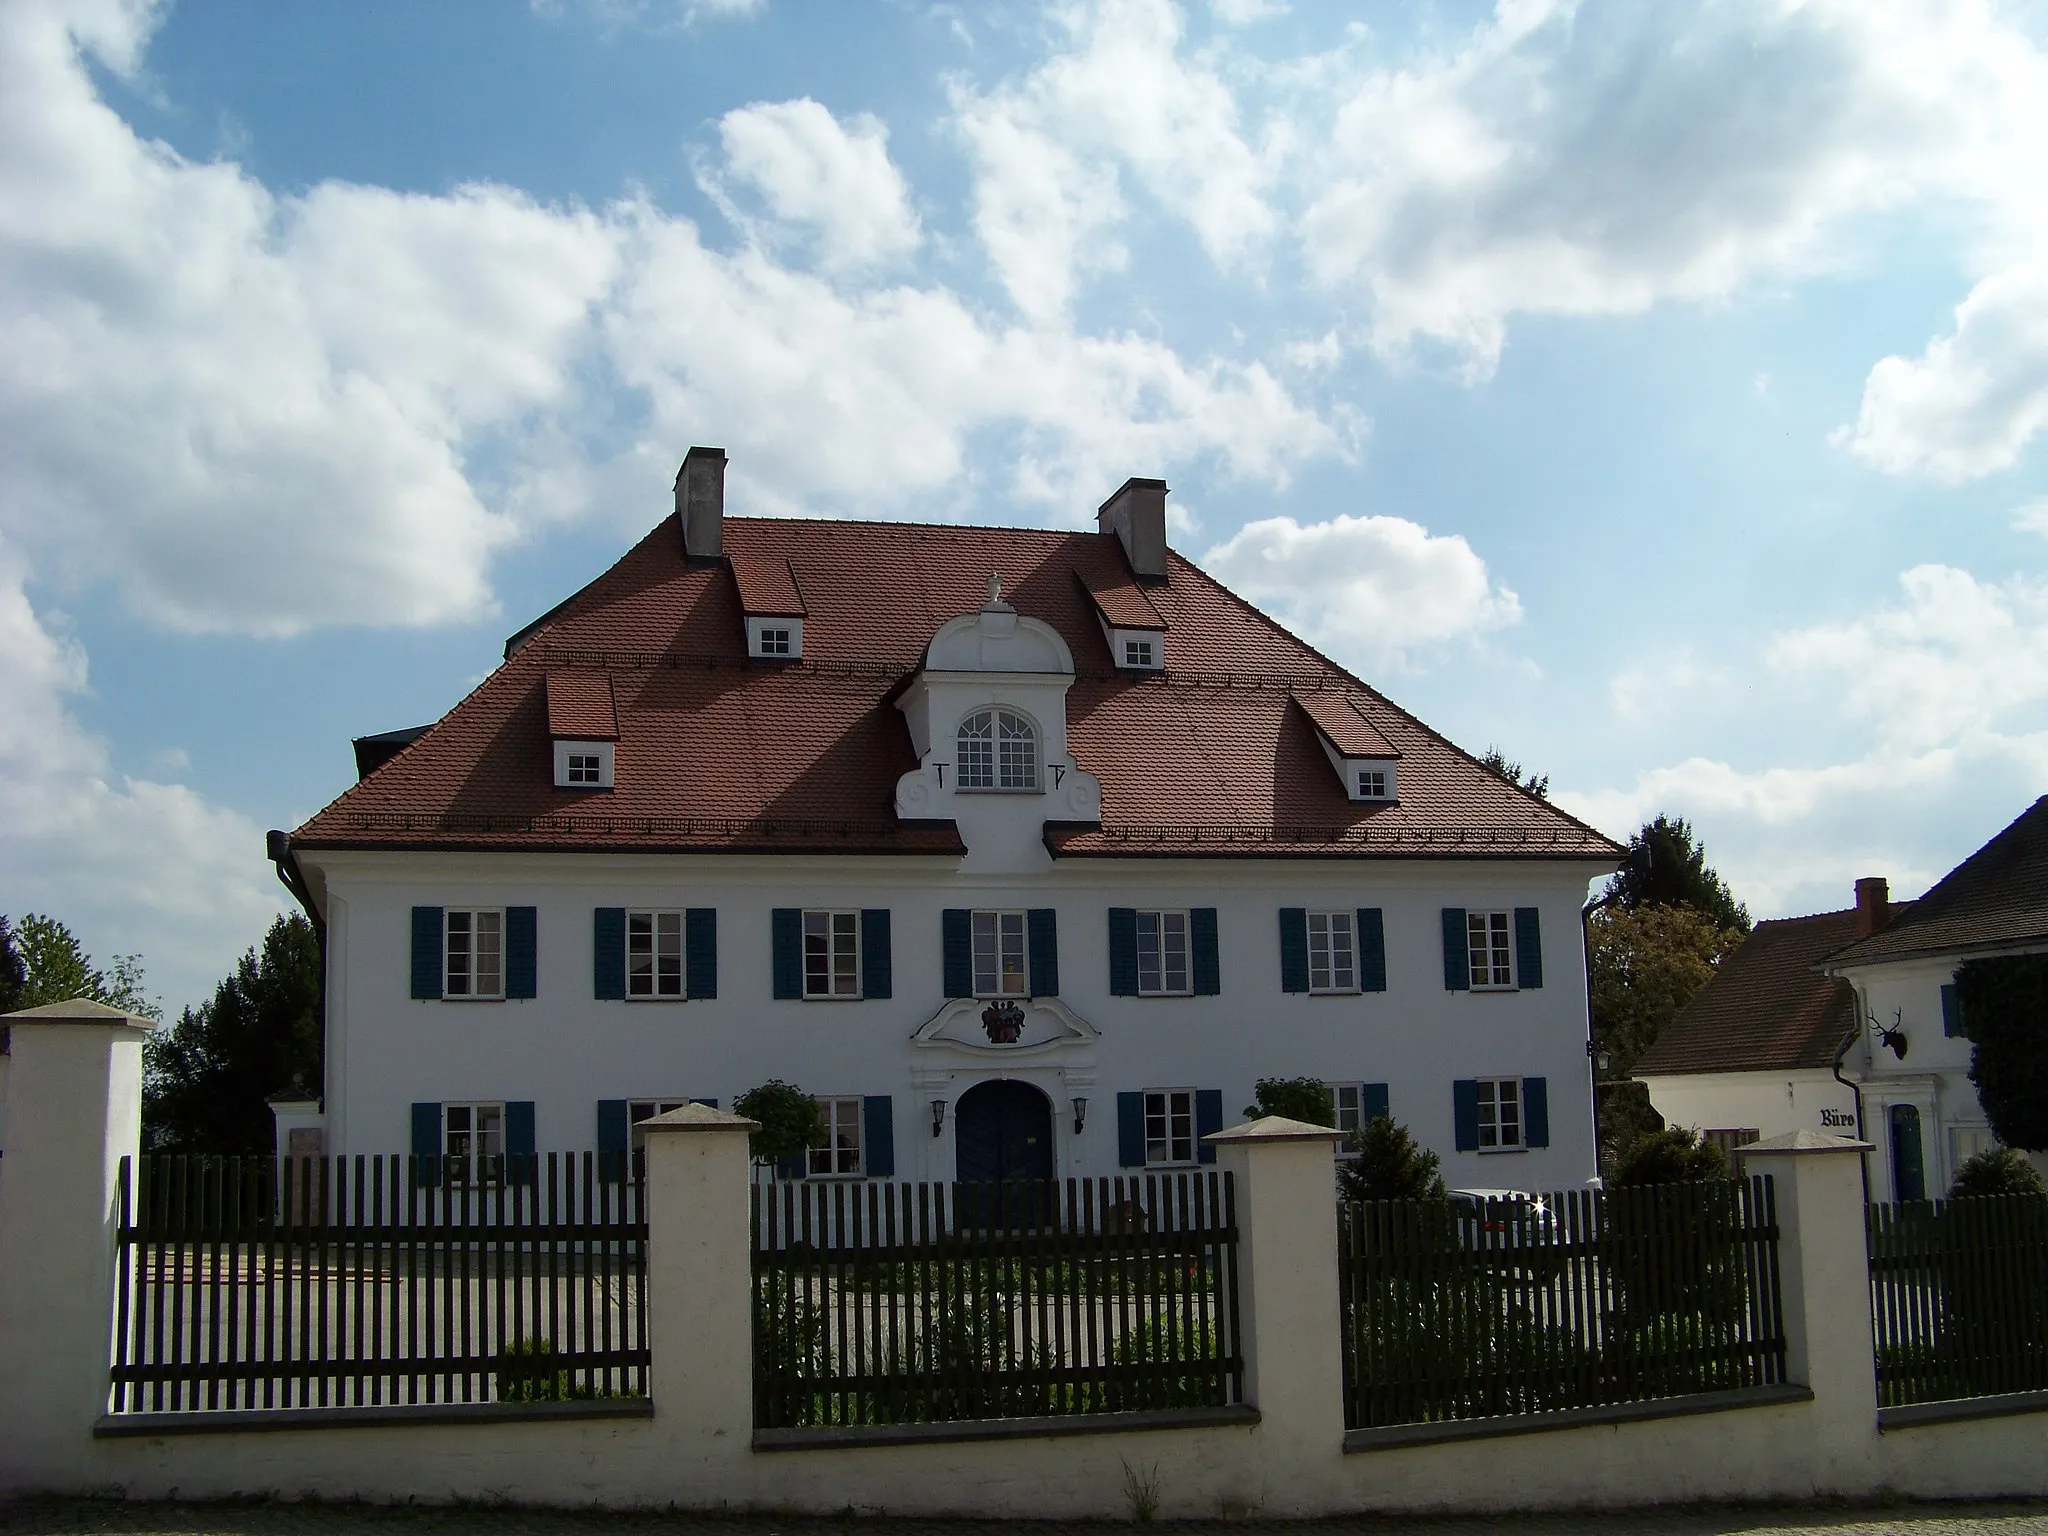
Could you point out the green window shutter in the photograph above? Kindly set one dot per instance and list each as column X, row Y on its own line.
column 1208, row 974
column 878, row 1130
column 1130, row 1130
column 1042, row 927
column 1457, row 962
column 1208, row 1121
column 1951, row 1013
column 1528, row 948
column 1372, row 1102
column 1123, row 972
column 1465, row 1114
column 521, row 952
column 614, row 1139
column 956, row 945
column 1372, row 950
column 1294, row 949
column 426, row 962
column 1535, row 1112
column 796, row 1166
column 426, row 1143
column 608, row 954
column 877, row 966
column 786, row 925
column 700, row 953
column 519, row 1152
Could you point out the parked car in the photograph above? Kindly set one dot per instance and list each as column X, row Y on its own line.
column 1511, row 1220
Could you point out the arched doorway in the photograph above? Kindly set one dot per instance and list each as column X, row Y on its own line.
column 1002, row 1134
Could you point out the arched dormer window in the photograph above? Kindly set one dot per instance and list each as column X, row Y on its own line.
column 998, row 750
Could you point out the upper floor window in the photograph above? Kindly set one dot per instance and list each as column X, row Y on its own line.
column 473, row 952
column 1169, row 1126
column 774, row 640
column 473, row 1141
column 1372, row 783
column 1332, row 952
column 1163, row 954
column 998, row 750
column 999, row 965
column 1500, row 1114
column 1490, row 948
column 586, row 768
column 832, row 954
column 841, row 1152
column 654, row 954
column 1139, row 653
column 584, row 764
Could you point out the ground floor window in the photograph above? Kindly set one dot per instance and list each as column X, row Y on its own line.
column 1169, row 1126
column 841, row 1152
column 639, row 1111
column 1729, row 1140
column 473, row 1141
column 1500, row 1113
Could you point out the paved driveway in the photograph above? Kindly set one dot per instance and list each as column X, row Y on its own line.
column 83, row 1517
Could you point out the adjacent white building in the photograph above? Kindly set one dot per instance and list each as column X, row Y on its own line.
column 1026, row 852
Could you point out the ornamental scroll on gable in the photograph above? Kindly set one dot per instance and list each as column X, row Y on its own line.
column 988, row 720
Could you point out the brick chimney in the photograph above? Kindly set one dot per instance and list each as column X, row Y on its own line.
column 700, row 503
column 1136, row 514
column 1873, row 905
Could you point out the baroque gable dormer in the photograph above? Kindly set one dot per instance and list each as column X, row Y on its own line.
column 987, row 715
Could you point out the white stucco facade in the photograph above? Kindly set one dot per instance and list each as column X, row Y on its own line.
column 1768, row 1103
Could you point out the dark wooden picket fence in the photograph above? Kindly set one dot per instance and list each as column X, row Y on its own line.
column 1959, row 1297
column 1576, row 1299
column 888, row 1303
column 242, row 1283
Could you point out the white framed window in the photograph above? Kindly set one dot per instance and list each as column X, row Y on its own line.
column 1139, row 653
column 775, row 639
column 1349, row 1101
column 1730, row 1138
column 473, row 952
column 999, row 964
column 998, row 749
column 831, row 954
column 1169, row 1127
column 1500, row 1114
column 639, row 1111
column 841, row 1153
column 1332, row 952
column 1490, row 949
column 654, row 954
column 472, row 1142
column 585, row 768
column 584, row 764
column 1372, row 783
column 1163, row 955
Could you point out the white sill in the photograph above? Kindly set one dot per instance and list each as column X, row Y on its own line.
column 1496, row 1151
column 1038, row 789
column 1333, row 991
column 1189, row 993
column 472, row 997
column 1494, row 987
column 676, row 997
column 831, row 997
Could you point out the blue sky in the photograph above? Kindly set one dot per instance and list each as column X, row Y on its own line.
column 1656, row 392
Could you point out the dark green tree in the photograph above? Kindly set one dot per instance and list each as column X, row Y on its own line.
column 1671, row 1156
column 55, row 968
column 791, row 1121
column 1537, row 784
column 1667, row 867
column 208, row 1079
column 1997, row 1171
column 2005, row 1014
column 1389, row 1165
column 1294, row 1098
column 13, row 974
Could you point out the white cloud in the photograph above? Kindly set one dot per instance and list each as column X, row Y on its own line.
column 1374, row 591
column 1974, row 399
column 838, row 179
column 654, row 15
column 1243, row 13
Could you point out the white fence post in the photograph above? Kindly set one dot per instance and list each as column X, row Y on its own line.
column 74, row 1110
column 1825, row 1282
column 1285, row 1173
column 700, row 1283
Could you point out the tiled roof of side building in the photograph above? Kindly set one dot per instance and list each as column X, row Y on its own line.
column 719, row 753
column 1997, row 897
column 1768, row 1008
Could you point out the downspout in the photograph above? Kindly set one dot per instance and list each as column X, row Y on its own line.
column 278, row 845
column 1862, row 1158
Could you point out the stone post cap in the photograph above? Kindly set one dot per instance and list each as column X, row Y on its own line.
column 1806, row 1141
column 77, row 1010
column 699, row 1117
column 1275, row 1128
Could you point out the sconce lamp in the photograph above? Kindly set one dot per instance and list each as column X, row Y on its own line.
column 938, row 1116
column 1080, row 1115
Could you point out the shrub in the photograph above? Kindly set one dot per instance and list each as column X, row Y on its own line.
column 1999, row 1171
column 528, row 1373
column 1389, row 1166
column 791, row 1121
column 1672, row 1156
column 1294, row 1098
column 2004, row 1004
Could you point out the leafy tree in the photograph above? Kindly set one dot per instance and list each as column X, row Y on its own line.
column 1997, row 1171
column 208, row 1079
column 1672, row 1156
column 54, row 968
column 2005, row 1013
column 791, row 1121
column 1667, row 867
column 1389, row 1166
column 1647, row 963
column 13, row 973
column 1294, row 1098
column 1537, row 784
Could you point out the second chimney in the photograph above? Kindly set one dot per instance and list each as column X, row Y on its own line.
column 1136, row 514
column 700, row 503
column 1873, row 905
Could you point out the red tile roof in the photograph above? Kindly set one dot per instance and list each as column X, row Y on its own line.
column 1119, row 599
column 1997, row 898
column 719, row 752
column 1343, row 720
column 580, row 706
column 767, row 585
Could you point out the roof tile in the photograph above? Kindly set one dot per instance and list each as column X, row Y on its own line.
column 1995, row 898
column 580, row 706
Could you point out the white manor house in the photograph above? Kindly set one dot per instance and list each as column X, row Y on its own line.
column 1026, row 852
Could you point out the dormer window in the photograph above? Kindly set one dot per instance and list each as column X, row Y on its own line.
column 775, row 639
column 1372, row 783
column 584, row 764
column 998, row 749
column 1140, row 653
column 586, row 768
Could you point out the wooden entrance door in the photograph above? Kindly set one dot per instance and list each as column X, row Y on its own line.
column 1002, row 1134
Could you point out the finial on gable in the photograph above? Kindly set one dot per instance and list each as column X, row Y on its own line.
column 995, row 588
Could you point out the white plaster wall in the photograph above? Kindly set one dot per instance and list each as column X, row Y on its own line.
column 565, row 1051
column 1771, row 1103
